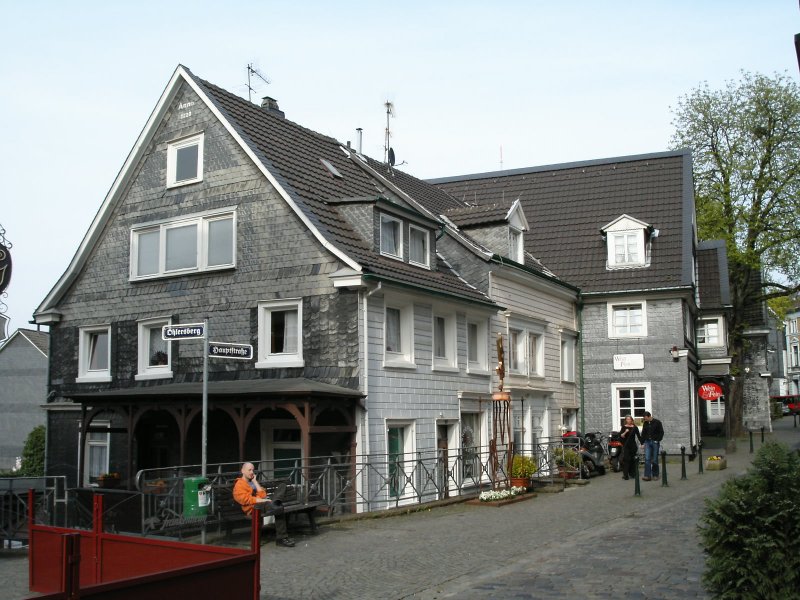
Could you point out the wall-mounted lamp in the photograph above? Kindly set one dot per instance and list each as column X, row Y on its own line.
column 675, row 353
column 747, row 370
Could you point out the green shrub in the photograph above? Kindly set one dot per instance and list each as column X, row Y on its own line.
column 33, row 453
column 751, row 531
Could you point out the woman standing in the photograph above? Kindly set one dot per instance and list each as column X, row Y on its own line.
column 629, row 434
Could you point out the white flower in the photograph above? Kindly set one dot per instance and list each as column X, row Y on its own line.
column 495, row 495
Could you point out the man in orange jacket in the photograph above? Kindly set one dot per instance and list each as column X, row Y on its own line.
column 249, row 493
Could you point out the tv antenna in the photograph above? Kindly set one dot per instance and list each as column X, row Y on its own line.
column 251, row 70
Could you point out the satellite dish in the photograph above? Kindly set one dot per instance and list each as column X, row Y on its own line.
column 391, row 157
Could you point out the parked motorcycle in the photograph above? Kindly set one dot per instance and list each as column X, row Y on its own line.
column 591, row 450
column 614, row 450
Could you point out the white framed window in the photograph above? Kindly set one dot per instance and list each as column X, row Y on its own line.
column 282, row 449
column 391, row 236
column 418, row 246
column 525, row 348
column 95, row 458
column 535, row 354
column 398, row 334
column 155, row 353
column 709, row 332
column 400, row 451
column 715, row 410
column 516, row 351
column 794, row 355
column 627, row 320
column 202, row 242
column 477, row 346
column 94, row 354
column 515, row 245
column 280, row 334
column 630, row 399
column 568, row 350
column 792, row 325
column 444, row 341
column 185, row 161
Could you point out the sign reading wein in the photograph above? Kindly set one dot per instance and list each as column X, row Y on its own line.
column 223, row 350
column 191, row 331
column 710, row 391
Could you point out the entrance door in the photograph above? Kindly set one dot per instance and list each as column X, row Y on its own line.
column 282, row 449
column 442, row 462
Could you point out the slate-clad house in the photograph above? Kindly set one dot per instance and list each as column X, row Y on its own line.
column 371, row 314
column 623, row 231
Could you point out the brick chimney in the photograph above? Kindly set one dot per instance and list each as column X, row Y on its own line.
column 271, row 106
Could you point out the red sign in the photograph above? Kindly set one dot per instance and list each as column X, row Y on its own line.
column 710, row 391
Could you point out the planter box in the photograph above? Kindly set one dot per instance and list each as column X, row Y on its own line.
column 716, row 465
column 513, row 500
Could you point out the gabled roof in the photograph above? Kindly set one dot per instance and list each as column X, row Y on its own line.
column 291, row 158
column 38, row 339
column 567, row 204
column 712, row 275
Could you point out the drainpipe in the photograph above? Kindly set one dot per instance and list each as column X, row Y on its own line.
column 365, row 434
column 580, row 362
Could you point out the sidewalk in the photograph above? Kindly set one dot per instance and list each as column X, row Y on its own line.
column 598, row 540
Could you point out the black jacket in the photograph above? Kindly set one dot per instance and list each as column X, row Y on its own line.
column 653, row 430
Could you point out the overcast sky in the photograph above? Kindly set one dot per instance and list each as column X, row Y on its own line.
column 473, row 83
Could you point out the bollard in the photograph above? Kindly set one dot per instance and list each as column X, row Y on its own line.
column 795, row 419
column 664, row 469
column 637, row 490
column 700, row 457
column 762, row 436
column 683, row 463
column 751, row 441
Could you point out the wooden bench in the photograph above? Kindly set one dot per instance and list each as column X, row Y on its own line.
column 229, row 514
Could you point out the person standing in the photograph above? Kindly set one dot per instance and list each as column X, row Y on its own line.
column 652, row 434
column 629, row 434
column 249, row 493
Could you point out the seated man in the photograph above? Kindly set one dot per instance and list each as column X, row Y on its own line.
column 249, row 493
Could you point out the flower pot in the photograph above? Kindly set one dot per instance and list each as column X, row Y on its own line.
column 716, row 465
column 523, row 482
column 108, row 482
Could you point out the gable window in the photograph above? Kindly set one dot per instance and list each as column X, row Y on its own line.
column 280, row 334
column 568, row 345
column 418, row 242
column 94, row 352
column 185, row 161
column 630, row 399
column 391, row 236
column 709, row 332
column 627, row 320
column 398, row 334
column 477, row 353
column 155, row 353
column 196, row 243
column 515, row 245
column 444, row 341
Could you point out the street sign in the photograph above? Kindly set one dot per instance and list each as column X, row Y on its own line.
column 190, row 331
column 223, row 350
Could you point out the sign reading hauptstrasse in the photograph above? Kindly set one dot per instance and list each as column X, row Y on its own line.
column 190, row 331
column 710, row 391
column 223, row 350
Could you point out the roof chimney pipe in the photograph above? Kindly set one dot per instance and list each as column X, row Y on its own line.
column 271, row 106
column 359, row 134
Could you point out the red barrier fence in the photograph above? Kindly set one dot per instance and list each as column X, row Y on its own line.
column 69, row 564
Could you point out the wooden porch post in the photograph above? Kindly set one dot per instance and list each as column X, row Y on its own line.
column 82, row 447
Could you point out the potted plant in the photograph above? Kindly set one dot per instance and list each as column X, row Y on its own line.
column 108, row 480
column 567, row 460
column 522, row 469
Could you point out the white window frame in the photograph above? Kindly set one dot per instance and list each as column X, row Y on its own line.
column 269, row 445
column 626, row 263
column 515, row 244
column 529, row 348
column 720, row 332
column 172, row 159
column 412, row 229
column 275, row 360
column 201, row 222
column 517, row 351
column 793, row 325
column 85, row 373
column 569, row 349
column 481, row 365
column 794, row 354
column 87, row 456
column 536, row 353
column 612, row 333
column 617, row 413
column 404, row 359
column 406, row 494
column 448, row 362
column 386, row 218
column 146, row 370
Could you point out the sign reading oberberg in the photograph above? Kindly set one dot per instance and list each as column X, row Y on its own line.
column 190, row 331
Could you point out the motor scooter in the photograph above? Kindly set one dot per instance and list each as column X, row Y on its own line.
column 614, row 450
column 590, row 447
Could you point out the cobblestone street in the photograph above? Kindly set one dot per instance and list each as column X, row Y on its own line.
column 593, row 541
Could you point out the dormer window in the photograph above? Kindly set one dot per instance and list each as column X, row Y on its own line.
column 185, row 161
column 627, row 243
column 515, row 244
column 418, row 244
column 391, row 236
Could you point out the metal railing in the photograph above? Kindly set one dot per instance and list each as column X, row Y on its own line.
column 49, row 499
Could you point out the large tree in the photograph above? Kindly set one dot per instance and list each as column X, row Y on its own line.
column 745, row 142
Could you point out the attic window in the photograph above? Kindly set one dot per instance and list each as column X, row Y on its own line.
column 333, row 170
column 185, row 161
column 626, row 243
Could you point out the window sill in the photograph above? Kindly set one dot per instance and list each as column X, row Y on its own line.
column 399, row 364
column 93, row 379
column 444, row 368
column 479, row 372
column 147, row 376
column 280, row 363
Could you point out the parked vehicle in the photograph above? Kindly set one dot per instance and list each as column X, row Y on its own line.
column 590, row 447
column 614, row 450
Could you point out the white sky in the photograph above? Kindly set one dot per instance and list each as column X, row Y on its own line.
column 548, row 81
